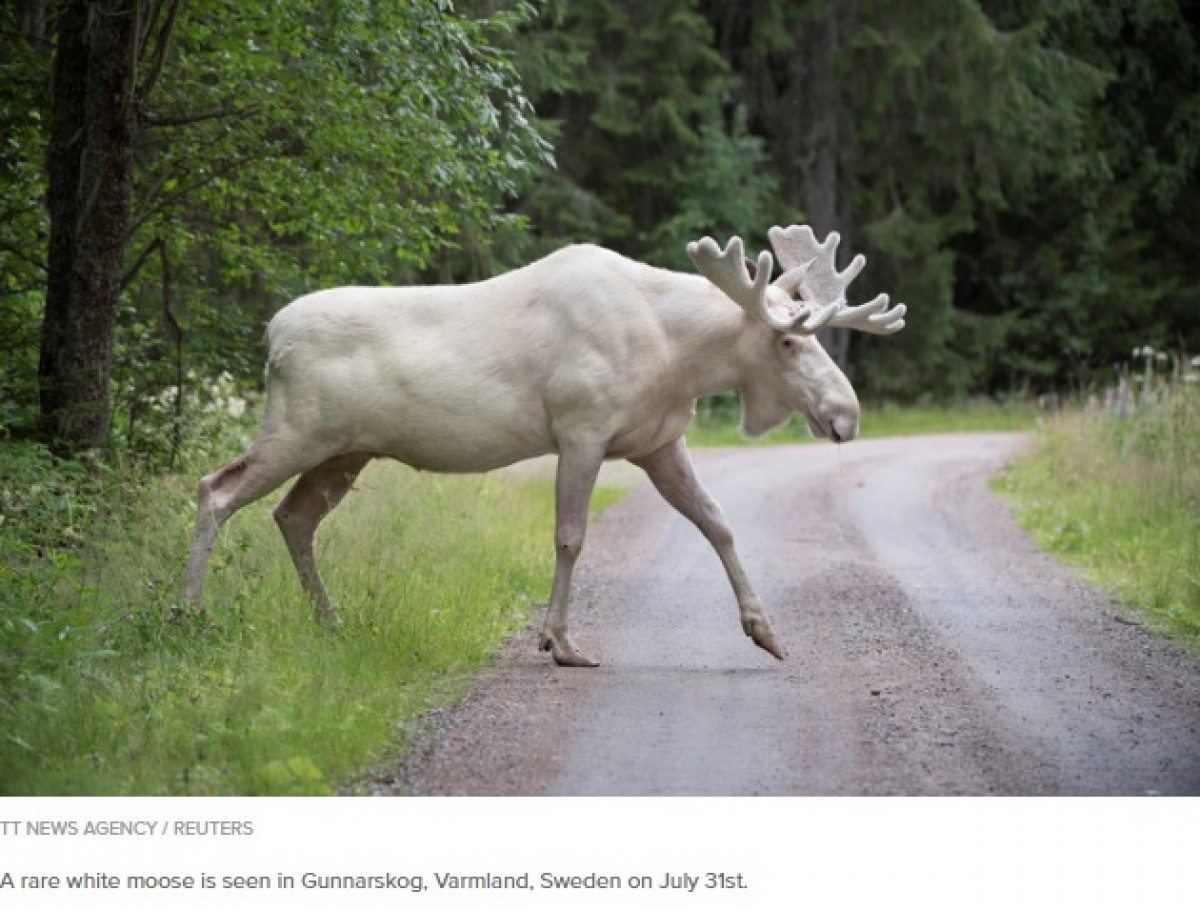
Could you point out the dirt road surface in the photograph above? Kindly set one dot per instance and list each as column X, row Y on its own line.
column 932, row 650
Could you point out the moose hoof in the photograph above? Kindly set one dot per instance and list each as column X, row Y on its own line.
column 760, row 633
column 565, row 654
column 329, row 619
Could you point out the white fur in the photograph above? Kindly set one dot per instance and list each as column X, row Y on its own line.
column 585, row 353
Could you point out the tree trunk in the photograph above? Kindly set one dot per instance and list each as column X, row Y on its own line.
column 90, row 171
column 820, row 108
column 31, row 21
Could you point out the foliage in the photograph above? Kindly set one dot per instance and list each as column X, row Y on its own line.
column 214, row 417
column 373, row 135
column 1022, row 172
column 24, row 227
column 108, row 687
column 1094, row 263
column 977, row 121
column 44, row 502
column 1119, row 495
column 286, row 146
column 651, row 150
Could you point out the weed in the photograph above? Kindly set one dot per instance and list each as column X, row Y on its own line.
column 1116, row 490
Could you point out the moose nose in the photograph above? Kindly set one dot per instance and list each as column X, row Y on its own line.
column 843, row 428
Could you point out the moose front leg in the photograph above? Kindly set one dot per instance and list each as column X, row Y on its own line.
column 578, row 467
column 672, row 473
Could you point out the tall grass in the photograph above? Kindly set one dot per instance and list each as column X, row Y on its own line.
column 108, row 687
column 1119, row 496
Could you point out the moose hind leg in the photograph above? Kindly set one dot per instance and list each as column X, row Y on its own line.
column 219, row 496
column 311, row 499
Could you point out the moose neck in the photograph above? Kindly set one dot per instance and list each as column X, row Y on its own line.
column 716, row 342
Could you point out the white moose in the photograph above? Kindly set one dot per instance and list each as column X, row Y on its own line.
column 585, row 354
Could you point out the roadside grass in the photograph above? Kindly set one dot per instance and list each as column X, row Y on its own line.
column 1120, row 498
column 108, row 687
column 716, row 424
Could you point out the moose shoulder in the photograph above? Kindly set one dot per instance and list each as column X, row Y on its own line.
column 586, row 354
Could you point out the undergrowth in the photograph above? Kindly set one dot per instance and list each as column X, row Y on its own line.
column 1119, row 496
column 109, row 686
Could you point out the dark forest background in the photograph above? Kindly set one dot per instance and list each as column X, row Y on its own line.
column 1022, row 173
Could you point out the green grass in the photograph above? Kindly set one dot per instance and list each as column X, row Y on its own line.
column 719, row 426
column 107, row 687
column 1120, row 498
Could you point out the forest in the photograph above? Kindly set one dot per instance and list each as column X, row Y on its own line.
column 1022, row 173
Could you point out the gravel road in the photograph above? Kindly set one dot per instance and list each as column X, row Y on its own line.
column 932, row 650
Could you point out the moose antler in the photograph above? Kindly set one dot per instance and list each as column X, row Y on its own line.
column 822, row 288
column 809, row 272
column 746, row 283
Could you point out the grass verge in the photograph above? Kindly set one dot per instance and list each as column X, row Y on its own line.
column 107, row 687
column 1120, row 498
